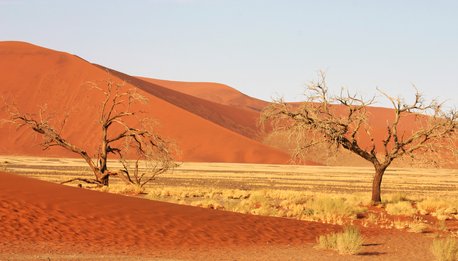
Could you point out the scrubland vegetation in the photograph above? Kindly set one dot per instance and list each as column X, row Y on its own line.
column 278, row 203
column 305, row 193
column 301, row 193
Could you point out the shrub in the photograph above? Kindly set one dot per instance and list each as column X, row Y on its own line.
column 207, row 203
column 348, row 242
column 125, row 189
column 400, row 208
column 327, row 241
column 445, row 249
column 439, row 208
column 332, row 210
column 398, row 224
column 417, row 227
column 395, row 197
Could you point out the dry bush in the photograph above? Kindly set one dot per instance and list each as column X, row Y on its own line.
column 333, row 210
column 348, row 242
column 372, row 218
column 398, row 224
column 442, row 209
column 328, row 241
column 212, row 204
column 395, row 197
column 400, row 208
column 235, row 194
column 445, row 249
column 125, row 189
column 417, row 227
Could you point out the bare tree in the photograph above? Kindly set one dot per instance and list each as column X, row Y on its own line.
column 119, row 138
column 341, row 121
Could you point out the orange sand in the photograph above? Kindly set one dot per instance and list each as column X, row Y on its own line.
column 34, row 76
column 37, row 215
column 41, row 220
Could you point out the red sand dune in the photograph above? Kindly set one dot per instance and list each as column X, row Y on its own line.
column 38, row 216
column 378, row 117
column 207, row 121
column 35, row 76
column 214, row 92
column 235, row 118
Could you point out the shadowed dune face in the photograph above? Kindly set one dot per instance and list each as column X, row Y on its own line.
column 235, row 118
column 215, row 92
column 36, row 214
column 33, row 76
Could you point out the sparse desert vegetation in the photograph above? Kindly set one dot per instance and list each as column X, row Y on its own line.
column 342, row 122
column 117, row 144
column 347, row 242
column 400, row 208
column 276, row 190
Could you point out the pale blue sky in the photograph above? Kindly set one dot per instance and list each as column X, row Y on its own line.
column 262, row 48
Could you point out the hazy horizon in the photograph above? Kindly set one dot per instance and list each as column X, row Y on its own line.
column 264, row 49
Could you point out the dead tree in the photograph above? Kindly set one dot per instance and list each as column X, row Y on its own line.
column 342, row 120
column 119, row 137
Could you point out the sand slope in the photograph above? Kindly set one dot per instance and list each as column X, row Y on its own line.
column 39, row 216
column 42, row 221
column 34, row 76
column 214, row 92
column 235, row 118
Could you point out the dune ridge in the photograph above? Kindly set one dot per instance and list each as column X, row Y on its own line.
column 208, row 122
column 234, row 118
column 215, row 92
column 35, row 76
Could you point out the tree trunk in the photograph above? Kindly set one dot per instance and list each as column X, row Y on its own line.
column 104, row 180
column 376, row 184
column 102, row 177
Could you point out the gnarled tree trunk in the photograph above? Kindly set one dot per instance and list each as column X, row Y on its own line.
column 103, row 178
column 376, row 184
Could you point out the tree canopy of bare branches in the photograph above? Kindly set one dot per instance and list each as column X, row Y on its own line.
column 342, row 120
column 122, row 130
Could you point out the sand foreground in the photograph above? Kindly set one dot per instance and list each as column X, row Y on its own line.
column 41, row 220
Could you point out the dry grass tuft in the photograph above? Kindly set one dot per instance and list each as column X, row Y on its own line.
column 212, row 204
column 328, row 241
column 400, row 208
column 348, row 242
column 417, row 227
column 398, row 224
column 125, row 189
column 395, row 197
column 332, row 210
column 442, row 209
column 445, row 249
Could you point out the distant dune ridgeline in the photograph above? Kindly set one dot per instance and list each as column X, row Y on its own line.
column 33, row 76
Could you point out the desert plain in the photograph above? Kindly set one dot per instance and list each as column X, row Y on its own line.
column 234, row 194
